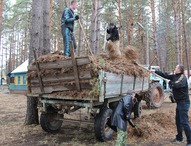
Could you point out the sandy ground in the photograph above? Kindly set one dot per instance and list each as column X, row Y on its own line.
column 13, row 132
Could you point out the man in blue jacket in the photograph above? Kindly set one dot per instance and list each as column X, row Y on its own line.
column 179, row 86
column 120, row 116
column 67, row 27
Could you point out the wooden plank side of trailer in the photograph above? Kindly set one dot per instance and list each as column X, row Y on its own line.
column 66, row 77
column 57, row 88
column 60, row 64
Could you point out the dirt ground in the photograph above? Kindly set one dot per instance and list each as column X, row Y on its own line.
column 158, row 126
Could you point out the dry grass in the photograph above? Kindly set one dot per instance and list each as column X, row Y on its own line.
column 131, row 53
column 113, row 51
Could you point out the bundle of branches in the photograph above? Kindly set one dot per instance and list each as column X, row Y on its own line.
column 61, row 77
column 118, row 65
column 113, row 51
column 153, row 126
column 120, row 61
column 130, row 53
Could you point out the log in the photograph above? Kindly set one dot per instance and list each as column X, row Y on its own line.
column 50, row 89
column 60, row 64
column 67, row 77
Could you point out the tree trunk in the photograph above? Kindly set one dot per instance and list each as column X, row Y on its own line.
column 94, row 27
column 184, row 37
column 168, row 46
column 60, row 44
column 41, row 41
column 1, row 20
column 176, row 32
column 1, row 17
column 130, row 23
column 46, row 27
column 25, row 45
column 156, row 51
column 80, row 42
column 51, row 18
column 11, row 53
column 32, row 111
column 98, row 28
column 120, row 23
column 180, row 32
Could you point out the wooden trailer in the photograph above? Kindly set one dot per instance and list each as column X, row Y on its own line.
column 64, row 86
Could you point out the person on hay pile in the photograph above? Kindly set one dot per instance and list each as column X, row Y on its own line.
column 122, row 114
column 114, row 34
column 67, row 27
column 178, row 82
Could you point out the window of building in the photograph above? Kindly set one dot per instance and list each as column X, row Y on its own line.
column 24, row 80
column 19, row 80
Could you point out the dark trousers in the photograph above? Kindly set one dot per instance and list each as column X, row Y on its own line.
column 67, row 37
column 182, row 122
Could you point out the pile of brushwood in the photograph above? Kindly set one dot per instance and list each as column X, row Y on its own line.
column 110, row 61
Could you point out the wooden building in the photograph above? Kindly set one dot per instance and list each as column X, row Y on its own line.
column 18, row 82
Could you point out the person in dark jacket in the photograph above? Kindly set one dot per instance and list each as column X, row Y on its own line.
column 179, row 86
column 113, row 31
column 113, row 40
column 120, row 116
column 67, row 27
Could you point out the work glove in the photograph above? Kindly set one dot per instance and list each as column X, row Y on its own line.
column 77, row 17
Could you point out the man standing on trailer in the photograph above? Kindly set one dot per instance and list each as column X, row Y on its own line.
column 67, row 27
column 114, row 34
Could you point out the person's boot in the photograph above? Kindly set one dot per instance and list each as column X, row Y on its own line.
column 175, row 141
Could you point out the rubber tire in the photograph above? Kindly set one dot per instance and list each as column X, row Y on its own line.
column 137, row 109
column 47, row 123
column 171, row 96
column 154, row 86
column 101, row 123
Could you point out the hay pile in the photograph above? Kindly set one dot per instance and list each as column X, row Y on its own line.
column 51, row 57
column 153, row 126
column 119, row 65
column 129, row 52
column 119, row 61
column 113, row 51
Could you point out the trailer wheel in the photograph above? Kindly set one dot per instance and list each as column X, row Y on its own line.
column 171, row 96
column 137, row 109
column 102, row 131
column 156, row 95
column 50, row 121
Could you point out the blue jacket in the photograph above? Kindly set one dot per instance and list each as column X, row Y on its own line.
column 121, row 112
column 68, row 19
